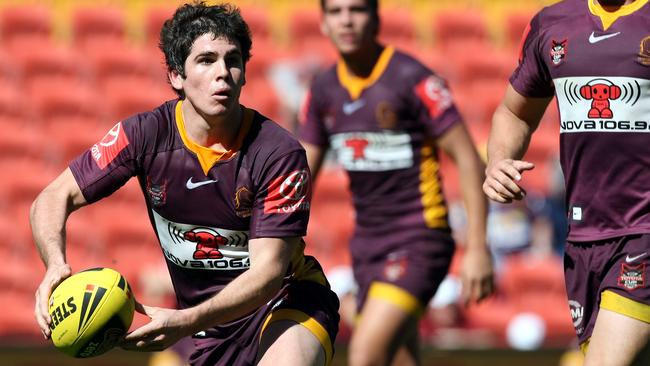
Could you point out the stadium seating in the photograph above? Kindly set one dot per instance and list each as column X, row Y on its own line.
column 47, row 61
column 453, row 26
column 96, row 26
column 21, row 25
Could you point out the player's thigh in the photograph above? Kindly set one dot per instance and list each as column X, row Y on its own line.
column 382, row 326
column 286, row 342
column 618, row 340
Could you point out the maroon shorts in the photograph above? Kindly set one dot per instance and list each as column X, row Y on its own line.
column 612, row 274
column 309, row 303
column 408, row 275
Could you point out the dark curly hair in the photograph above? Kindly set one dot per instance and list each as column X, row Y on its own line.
column 191, row 21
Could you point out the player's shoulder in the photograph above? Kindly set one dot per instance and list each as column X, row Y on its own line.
column 405, row 65
column 161, row 116
column 326, row 78
column 267, row 138
column 153, row 129
column 560, row 13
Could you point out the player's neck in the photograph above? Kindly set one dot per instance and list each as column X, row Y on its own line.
column 613, row 5
column 361, row 63
column 212, row 132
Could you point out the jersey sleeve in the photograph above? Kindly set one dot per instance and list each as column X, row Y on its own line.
column 282, row 202
column 108, row 164
column 532, row 78
column 434, row 105
column 311, row 117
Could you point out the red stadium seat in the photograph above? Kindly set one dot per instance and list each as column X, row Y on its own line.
column 125, row 97
column 118, row 60
column 56, row 101
column 23, row 24
column 12, row 105
column 398, row 28
column 154, row 20
column 47, row 61
column 516, row 23
column 458, row 26
column 259, row 94
column 258, row 21
column 96, row 26
column 306, row 37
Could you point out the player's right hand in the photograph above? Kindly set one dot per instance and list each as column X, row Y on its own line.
column 501, row 179
column 53, row 277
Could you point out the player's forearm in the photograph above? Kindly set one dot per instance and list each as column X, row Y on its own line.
column 48, row 215
column 243, row 295
column 472, row 170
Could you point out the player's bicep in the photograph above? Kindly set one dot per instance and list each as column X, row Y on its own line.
column 527, row 109
column 66, row 186
column 273, row 255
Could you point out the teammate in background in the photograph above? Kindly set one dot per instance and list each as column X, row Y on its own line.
column 228, row 196
column 385, row 115
column 594, row 57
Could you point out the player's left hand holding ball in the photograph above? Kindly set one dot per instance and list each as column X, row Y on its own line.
column 167, row 326
column 54, row 275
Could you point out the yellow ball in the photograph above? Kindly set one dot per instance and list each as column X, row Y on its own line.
column 91, row 311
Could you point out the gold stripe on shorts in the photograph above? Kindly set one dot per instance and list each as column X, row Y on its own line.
column 619, row 304
column 396, row 296
column 306, row 321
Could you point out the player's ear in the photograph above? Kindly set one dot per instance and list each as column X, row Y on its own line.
column 176, row 79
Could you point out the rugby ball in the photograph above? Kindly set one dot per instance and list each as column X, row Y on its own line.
column 91, row 311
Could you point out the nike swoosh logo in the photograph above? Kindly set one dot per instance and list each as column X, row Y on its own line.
column 595, row 39
column 349, row 108
column 191, row 185
column 629, row 259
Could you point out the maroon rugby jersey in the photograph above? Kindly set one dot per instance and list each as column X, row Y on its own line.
column 205, row 205
column 383, row 131
column 598, row 65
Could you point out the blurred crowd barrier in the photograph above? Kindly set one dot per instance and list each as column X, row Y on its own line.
column 70, row 70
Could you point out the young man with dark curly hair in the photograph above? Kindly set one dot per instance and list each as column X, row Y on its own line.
column 228, row 194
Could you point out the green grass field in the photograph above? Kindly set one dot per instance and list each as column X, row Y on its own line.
column 48, row 356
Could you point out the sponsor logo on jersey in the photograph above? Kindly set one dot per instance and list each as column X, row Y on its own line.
column 396, row 266
column 190, row 184
column 593, row 38
column 632, row 277
column 605, row 104
column 577, row 312
column 288, row 193
column 558, row 51
column 385, row 115
column 644, row 52
column 105, row 151
column 630, row 259
column 202, row 247
column 157, row 193
column 434, row 94
column 373, row 151
column 351, row 107
column 243, row 202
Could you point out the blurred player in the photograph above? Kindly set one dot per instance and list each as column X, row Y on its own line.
column 228, row 196
column 595, row 57
column 385, row 115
